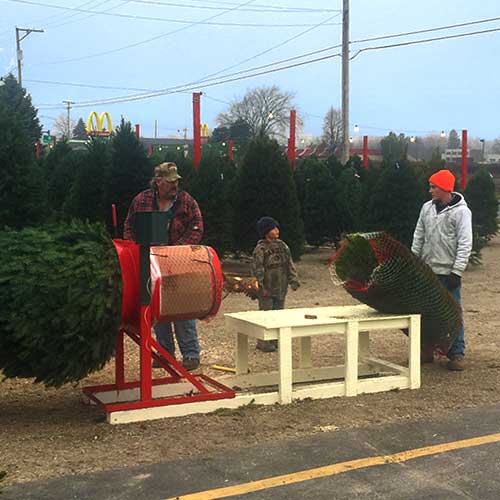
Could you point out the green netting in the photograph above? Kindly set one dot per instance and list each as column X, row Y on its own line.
column 381, row 272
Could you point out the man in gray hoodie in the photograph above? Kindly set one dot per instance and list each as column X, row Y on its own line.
column 443, row 239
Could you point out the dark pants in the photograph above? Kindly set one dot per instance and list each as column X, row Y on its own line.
column 457, row 349
column 271, row 303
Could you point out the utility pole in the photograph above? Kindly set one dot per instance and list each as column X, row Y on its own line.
column 156, row 129
column 68, row 127
column 19, row 52
column 345, row 82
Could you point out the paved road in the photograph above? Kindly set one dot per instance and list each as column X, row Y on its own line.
column 453, row 458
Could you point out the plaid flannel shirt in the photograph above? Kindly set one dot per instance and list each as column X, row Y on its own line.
column 186, row 227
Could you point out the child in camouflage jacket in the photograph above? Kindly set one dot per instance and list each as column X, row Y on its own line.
column 274, row 269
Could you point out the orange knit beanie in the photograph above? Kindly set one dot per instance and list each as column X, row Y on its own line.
column 443, row 179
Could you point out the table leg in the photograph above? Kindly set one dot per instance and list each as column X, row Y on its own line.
column 414, row 351
column 364, row 345
column 241, row 354
column 351, row 358
column 305, row 352
column 285, row 365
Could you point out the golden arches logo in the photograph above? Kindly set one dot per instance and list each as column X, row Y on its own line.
column 95, row 124
column 204, row 130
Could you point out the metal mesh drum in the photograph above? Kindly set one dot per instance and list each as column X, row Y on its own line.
column 186, row 282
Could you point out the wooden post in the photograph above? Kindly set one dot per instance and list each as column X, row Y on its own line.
column 365, row 152
column 464, row 159
column 196, row 129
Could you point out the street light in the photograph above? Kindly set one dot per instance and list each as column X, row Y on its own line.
column 443, row 134
column 413, row 138
column 356, row 128
column 351, row 140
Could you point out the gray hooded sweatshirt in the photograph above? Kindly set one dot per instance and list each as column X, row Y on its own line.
column 444, row 239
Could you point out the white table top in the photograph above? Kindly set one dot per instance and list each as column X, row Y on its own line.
column 309, row 316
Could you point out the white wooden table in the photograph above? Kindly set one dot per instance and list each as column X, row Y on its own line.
column 355, row 323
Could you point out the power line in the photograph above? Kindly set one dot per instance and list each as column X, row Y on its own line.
column 427, row 40
column 207, row 81
column 262, row 8
column 162, row 19
column 369, row 39
column 88, row 85
column 270, row 48
column 140, row 97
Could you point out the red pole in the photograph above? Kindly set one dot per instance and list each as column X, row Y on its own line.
column 54, row 141
column 365, row 152
column 291, row 140
column 196, row 129
column 230, row 152
column 37, row 146
column 150, row 150
column 137, row 130
column 464, row 159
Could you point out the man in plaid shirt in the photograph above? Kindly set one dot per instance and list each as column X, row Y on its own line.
column 185, row 227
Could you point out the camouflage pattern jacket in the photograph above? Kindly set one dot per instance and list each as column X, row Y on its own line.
column 274, row 269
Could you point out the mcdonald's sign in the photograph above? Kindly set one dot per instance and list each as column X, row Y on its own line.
column 204, row 130
column 95, row 124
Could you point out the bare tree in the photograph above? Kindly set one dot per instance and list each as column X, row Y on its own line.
column 266, row 110
column 332, row 129
column 61, row 126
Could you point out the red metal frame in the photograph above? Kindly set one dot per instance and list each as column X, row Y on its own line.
column 196, row 129
column 136, row 324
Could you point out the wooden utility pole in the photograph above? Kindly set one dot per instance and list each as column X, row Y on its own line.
column 19, row 52
column 345, row 82
column 68, row 119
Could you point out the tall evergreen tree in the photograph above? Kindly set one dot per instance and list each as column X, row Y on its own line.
column 481, row 198
column 129, row 173
column 87, row 197
column 17, row 100
column 453, row 139
column 315, row 192
column 395, row 203
column 213, row 189
column 61, row 166
column 22, row 184
column 79, row 131
column 347, row 196
column 394, row 148
column 266, row 188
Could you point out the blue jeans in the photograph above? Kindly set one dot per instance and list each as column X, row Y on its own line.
column 185, row 333
column 457, row 349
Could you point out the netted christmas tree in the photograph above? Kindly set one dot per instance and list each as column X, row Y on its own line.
column 60, row 290
column 382, row 273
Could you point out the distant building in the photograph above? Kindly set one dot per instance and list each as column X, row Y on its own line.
column 453, row 154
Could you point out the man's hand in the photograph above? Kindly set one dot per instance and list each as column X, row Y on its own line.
column 294, row 285
column 454, row 281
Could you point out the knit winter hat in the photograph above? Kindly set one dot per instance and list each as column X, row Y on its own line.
column 265, row 224
column 443, row 179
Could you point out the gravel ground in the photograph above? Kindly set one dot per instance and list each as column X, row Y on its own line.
column 47, row 432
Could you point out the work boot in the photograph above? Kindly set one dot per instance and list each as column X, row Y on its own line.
column 456, row 364
column 190, row 364
column 267, row 345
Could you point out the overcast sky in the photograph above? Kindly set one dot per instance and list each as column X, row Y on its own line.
column 413, row 89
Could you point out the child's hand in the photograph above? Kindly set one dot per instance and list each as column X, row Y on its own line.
column 294, row 285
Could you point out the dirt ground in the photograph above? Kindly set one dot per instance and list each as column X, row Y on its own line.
column 48, row 432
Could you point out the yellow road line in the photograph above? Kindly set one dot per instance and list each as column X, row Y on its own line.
column 333, row 469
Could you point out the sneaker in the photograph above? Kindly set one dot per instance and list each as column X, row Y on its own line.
column 456, row 364
column 190, row 363
column 267, row 345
